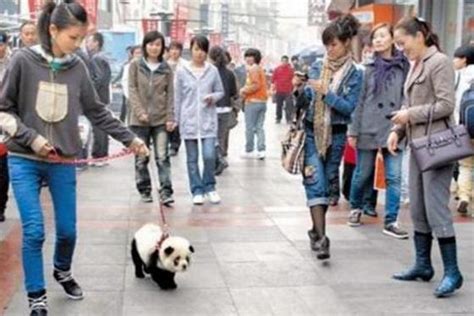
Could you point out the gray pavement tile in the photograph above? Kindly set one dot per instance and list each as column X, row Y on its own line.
column 270, row 274
column 402, row 298
column 260, row 251
column 242, row 234
column 92, row 254
column 179, row 302
column 199, row 276
column 306, row 300
column 92, row 277
column 94, row 235
column 94, row 303
column 335, row 232
column 361, row 271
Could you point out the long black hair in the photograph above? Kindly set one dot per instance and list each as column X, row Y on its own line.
column 66, row 14
column 218, row 56
column 343, row 28
column 413, row 25
column 151, row 37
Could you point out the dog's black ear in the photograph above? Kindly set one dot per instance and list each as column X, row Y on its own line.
column 191, row 248
column 169, row 250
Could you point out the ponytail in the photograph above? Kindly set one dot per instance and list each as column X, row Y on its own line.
column 432, row 39
column 63, row 15
column 413, row 25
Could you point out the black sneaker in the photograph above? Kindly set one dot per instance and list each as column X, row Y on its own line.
column 167, row 199
column 146, row 197
column 394, row 231
column 72, row 289
column 462, row 207
column 37, row 302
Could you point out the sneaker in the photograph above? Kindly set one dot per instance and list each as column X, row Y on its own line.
column 394, row 231
column 146, row 197
column 72, row 289
column 38, row 303
column 261, row 155
column 198, row 199
column 213, row 197
column 354, row 218
column 462, row 207
column 167, row 199
column 248, row 155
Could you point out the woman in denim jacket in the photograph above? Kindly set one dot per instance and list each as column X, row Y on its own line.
column 337, row 83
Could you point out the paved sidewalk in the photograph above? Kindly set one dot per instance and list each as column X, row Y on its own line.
column 252, row 254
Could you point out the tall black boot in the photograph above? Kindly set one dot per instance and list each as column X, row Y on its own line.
column 452, row 279
column 37, row 302
column 422, row 269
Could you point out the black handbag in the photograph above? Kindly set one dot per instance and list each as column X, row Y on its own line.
column 435, row 150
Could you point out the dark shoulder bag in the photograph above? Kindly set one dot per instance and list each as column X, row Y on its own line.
column 435, row 150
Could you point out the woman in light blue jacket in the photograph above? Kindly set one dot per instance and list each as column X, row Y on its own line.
column 198, row 87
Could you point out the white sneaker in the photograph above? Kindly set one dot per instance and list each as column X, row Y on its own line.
column 213, row 197
column 261, row 155
column 248, row 155
column 198, row 199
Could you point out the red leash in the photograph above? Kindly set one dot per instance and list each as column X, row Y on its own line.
column 55, row 158
column 165, row 228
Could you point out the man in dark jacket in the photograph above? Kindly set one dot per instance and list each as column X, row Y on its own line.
column 101, row 76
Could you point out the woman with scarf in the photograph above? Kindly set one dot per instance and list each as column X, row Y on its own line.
column 382, row 94
column 337, row 83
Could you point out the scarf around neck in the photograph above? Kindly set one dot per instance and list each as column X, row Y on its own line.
column 383, row 69
column 332, row 75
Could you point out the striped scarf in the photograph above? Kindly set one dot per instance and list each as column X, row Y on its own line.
column 332, row 75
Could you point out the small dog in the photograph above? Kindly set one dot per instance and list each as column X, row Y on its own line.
column 173, row 255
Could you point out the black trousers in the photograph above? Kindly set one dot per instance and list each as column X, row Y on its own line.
column 100, row 145
column 4, row 182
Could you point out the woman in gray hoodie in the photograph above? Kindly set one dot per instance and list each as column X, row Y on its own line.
column 198, row 87
column 46, row 88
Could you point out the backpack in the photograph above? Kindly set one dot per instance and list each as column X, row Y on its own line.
column 467, row 110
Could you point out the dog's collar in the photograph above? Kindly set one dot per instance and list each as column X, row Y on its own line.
column 163, row 237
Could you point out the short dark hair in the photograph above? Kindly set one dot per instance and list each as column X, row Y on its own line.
column 284, row 57
column 201, row 42
column 217, row 55
column 66, row 14
column 413, row 25
column 294, row 57
column 343, row 28
column 465, row 51
column 176, row 45
column 255, row 53
column 151, row 37
column 99, row 38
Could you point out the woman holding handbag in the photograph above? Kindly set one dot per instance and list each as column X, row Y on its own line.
column 382, row 93
column 429, row 89
column 336, row 82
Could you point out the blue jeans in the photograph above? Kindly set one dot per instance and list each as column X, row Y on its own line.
column 363, row 175
column 317, row 171
column 207, row 182
column 254, row 120
column 26, row 176
column 158, row 136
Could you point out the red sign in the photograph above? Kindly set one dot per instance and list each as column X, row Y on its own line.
column 215, row 39
column 91, row 8
column 179, row 23
column 35, row 7
column 149, row 25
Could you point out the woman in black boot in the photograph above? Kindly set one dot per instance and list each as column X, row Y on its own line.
column 429, row 87
column 336, row 82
